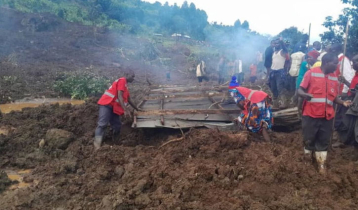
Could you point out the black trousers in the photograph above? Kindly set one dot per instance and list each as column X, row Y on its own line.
column 317, row 133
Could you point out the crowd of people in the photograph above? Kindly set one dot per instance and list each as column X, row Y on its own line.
column 227, row 68
column 325, row 83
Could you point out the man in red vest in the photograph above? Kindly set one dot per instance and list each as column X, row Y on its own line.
column 319, row 88
column 112, row 105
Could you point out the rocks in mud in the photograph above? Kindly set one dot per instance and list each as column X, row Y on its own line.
column 119, row 171
column 106, row 203
column 142, row 185
column 42, row 143
column 142, row 199
column 58, row 139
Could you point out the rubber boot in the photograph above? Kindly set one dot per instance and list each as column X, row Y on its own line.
column 321, row 158
column 97, row 142
column 116, row 137
column 308, row 155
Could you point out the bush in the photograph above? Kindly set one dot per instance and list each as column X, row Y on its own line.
column 81, row 86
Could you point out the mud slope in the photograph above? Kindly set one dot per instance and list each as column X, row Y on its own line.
column 37, row 49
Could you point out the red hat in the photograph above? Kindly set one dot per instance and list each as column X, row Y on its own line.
column 314, row 54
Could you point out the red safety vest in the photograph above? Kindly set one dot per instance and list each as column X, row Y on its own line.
column 254, row 96
column 110, row 97
column 324, row 89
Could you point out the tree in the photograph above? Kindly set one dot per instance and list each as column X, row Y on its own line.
column 245, row 25
column 336, row 28
column 185, row 5
column 237, row 24
column 291, row 34
column 192, row 7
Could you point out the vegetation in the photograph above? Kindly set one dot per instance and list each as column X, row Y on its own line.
column 81, row 86
column 336, row 28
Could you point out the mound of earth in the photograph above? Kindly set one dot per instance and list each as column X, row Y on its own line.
column 208, row 169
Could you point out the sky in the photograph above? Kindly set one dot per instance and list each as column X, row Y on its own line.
column 269, row 16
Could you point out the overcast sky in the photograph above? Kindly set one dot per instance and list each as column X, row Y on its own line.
column 269, row 16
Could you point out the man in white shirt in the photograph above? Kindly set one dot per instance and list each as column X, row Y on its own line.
column 201, row 73
column 345, row 69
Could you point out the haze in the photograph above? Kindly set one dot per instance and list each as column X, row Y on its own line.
column 270, row 17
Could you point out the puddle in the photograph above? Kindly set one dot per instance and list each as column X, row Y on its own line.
column 19, row 177
column 19, row 105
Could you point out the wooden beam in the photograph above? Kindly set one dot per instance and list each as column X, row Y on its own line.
column 194, row 96
column 141, row 103
column 199, row 111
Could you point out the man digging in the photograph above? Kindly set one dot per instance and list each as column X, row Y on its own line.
column 112, row 105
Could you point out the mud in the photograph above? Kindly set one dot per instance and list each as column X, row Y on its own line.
column 206, row 170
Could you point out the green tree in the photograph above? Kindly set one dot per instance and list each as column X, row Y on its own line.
column 237, row 24
column 336, row 28
column 291, row 34
column 245, row 25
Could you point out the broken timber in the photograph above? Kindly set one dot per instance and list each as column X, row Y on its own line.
column 181, row 107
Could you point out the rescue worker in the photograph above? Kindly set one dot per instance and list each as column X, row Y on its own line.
column 256, row 115
column 319, row 88
column 112, row 105
column 310, row 62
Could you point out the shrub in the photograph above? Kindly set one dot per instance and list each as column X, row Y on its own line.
column 81, row 86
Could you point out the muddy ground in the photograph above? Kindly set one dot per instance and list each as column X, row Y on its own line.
column 208, row 169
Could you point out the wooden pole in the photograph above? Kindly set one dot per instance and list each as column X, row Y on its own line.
column 342, row 71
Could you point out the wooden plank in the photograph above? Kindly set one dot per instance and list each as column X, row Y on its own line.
column 141, row 103
column 178, row 124
column 190, row 95
column 184, row 111
column 188, row 89
column 192, row 117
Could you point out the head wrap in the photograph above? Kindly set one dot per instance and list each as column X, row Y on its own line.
column 314, row 54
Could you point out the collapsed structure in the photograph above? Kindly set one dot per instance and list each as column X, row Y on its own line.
column 180, row 106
